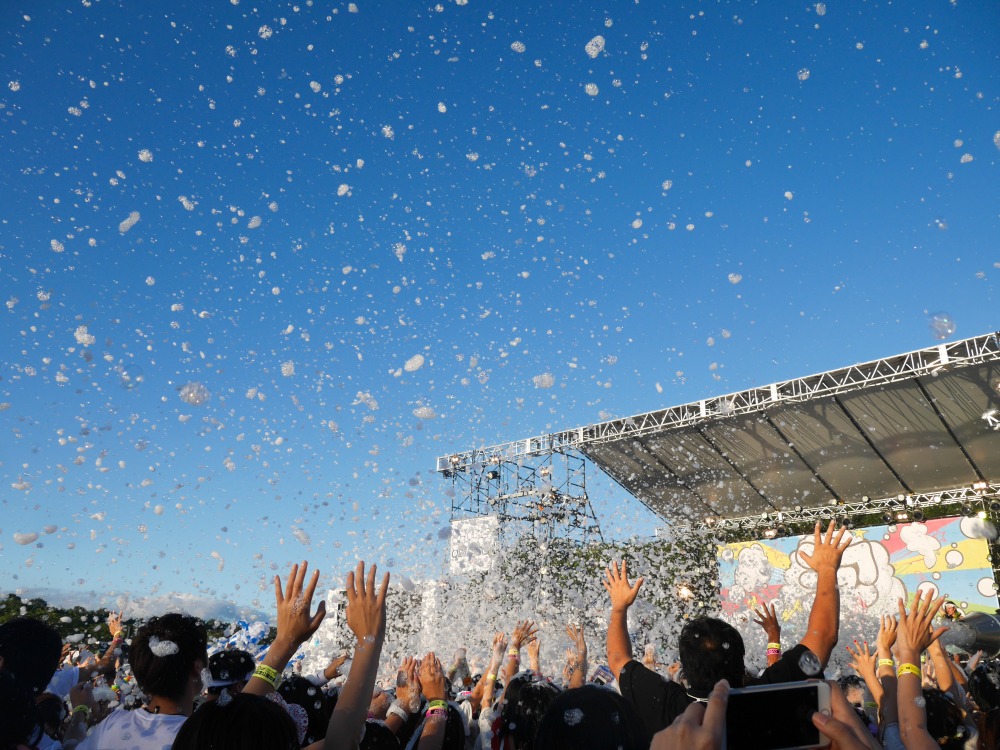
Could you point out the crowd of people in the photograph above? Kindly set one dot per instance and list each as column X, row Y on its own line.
column 161, row 689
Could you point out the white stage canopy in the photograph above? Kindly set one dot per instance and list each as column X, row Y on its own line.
column 912, row 424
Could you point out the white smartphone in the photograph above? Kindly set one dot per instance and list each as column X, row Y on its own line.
column 777, row 717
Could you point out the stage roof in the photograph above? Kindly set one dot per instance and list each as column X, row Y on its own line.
column 913, row 423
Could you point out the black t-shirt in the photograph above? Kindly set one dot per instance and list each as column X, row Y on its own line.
column 659, row 701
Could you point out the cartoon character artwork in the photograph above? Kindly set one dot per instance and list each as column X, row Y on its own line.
column 882, row 565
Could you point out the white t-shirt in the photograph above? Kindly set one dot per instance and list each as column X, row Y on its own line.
column 63, row 680
column 133, row 730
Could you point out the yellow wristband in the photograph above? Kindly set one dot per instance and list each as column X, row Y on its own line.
column 907, row 669
column 267, row 674
column 82, row 709
column 886, row 663
column 491, row 676
column 774, row 645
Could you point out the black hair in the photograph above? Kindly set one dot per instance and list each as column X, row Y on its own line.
column 944, row 719
column 18, row 717
column 378, row 737
column 984, row 685
column 247, row 722
column 526, row 700
column 50, row 711
column 454, row 732
column 301, row 692
column 167, row 674
column 851, row 682
column 232, row 665
column 711, row 650
column 31, row 650
column 591, row 717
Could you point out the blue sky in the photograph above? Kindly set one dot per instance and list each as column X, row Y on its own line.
column 724, row 195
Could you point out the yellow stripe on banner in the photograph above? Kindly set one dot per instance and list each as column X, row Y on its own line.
column 775, row 557
column 974, row 554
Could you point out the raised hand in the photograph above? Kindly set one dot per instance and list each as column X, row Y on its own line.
column 766, row 617
column 886, row 635
column 432, row 679
column 534, row 645
column 333, row 668
column 576, row 637
column 365, row 608
column 115, row 623
column 828, row 550
column 499, row 649
column 914, row 633
column 408, row 687
column 295, row 624
column 616, row 583
column 522, row 632
column 863, row 660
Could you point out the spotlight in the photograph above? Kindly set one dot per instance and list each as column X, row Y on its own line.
column 781, row 530
column 968, row 511
column 995, row 506
column 770, row 533
column 493, row 474
column 979, row 486
column 918, row 516
column 902, row 515
column 887, row 518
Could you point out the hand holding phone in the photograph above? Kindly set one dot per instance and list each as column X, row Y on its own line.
column 702, row 726
column 777, row 717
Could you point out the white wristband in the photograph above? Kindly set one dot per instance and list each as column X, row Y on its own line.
column 396, row 709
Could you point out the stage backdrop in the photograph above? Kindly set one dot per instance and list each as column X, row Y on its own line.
column 883, row 563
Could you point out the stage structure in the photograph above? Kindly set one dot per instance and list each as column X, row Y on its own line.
column 543, row 495
column 890, row 436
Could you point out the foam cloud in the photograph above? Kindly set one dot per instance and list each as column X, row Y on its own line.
column 915, row 537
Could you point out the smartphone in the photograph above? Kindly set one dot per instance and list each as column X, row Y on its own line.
column 776, row 717
column 602, row 675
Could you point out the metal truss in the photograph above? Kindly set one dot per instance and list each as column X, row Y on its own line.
column 546, row 497
column 975, row 497
column 981, row 497
column 930, row 361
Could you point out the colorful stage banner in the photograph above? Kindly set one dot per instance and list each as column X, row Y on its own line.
column 882, row 565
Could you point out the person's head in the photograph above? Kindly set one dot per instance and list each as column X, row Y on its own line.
column 30, row 651
column 591, row 717
column 989, row 730
column 51, row 711
column 18, row 716
column 984, row 685
column 378, row 737
column 297, row 690
column 230, row 670
column 951, row 610
column 168, row 654
column 454, row 731
column 944, row 719
column 711, row 650
column 525, row 701
column 245, row 722
column 854, row 689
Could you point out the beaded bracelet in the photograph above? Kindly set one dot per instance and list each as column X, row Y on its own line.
column 907, row 669
column 267, row 674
